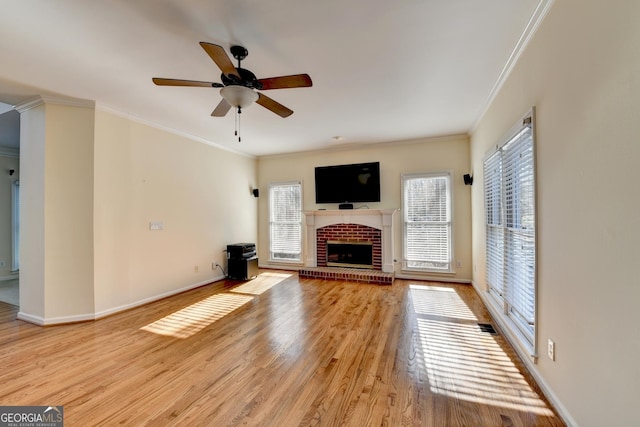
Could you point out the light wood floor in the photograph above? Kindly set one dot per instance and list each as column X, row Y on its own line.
column 277, row 351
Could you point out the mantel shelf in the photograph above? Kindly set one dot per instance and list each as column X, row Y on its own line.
column 342, row 212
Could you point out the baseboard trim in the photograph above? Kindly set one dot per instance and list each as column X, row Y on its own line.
column 526, row 359
column 432, row 278
column 36, row 320
column 41, row 321
column 284, row 266
column 118, row 309
column 397, row 275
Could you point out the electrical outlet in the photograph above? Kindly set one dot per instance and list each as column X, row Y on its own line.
column 2, row 264
column 551, row 349
column 196, row 269
column 459, row 263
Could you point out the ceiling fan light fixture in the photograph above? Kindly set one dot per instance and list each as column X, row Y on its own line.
column 239, row 96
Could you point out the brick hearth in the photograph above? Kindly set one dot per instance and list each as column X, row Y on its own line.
column 351, row 274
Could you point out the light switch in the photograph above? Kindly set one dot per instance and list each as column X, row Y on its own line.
column 156, row 225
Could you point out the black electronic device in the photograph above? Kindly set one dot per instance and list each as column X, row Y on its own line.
column 241, row 250
column 242, row 268
column 353, row 183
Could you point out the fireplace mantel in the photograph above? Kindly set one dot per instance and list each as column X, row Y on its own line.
column 381, row 219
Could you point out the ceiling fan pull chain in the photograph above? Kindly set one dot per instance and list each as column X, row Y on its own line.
column 238, row 112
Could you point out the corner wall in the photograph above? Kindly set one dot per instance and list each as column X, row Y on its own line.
column 92, row 182
column 582, row 72
column 200, row 194
column 56, row 212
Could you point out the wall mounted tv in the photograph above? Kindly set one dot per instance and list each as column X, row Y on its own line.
column 355, row 183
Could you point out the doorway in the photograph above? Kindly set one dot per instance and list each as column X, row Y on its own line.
column 10, row 202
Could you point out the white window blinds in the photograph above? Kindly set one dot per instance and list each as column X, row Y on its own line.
column 285, row 218
column 427, row 222
column 509, row 186
column 495, row 224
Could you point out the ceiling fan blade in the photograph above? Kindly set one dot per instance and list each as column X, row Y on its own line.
column 221, row 58
column 222, row 109
column 285, row 82
column 177, row 82
column 274, row 106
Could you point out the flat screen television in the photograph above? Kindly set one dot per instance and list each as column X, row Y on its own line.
column 354, row 183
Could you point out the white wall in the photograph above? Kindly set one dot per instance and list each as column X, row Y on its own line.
column 201, row 194
column 396, row 158
column 582, row 72
column 68, row 204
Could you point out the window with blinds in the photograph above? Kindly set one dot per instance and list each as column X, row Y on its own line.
column 285, row 222
column 509, row 196
column 427, row 222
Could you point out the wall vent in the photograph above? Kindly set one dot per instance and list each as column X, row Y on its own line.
column 487, row 328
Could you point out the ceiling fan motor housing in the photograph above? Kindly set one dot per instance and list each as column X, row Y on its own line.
column 247, row 79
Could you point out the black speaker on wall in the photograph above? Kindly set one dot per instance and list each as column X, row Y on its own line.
column 256, row 192
column 468, row 179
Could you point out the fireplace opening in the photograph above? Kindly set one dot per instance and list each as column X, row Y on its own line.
column 349, row 254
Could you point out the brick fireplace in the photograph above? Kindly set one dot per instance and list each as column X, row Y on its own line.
column 375, row 225
column 345, row 234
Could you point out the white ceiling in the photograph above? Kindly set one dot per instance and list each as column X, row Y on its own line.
column 381, row 71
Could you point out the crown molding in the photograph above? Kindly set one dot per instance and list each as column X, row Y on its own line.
column 356, row 146
column 54, row 100
column 155, row 125
column 532, row 26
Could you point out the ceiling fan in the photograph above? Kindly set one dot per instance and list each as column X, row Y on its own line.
column 239, row 87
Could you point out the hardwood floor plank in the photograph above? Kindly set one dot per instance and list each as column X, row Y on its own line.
column 277, row 351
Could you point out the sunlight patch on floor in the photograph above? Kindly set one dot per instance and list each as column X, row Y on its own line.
column 192, row 319
column 462, row 362
column 262, row 283
column 439, row 301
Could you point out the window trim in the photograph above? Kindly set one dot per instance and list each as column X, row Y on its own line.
column 300, row 259
column 434, row 174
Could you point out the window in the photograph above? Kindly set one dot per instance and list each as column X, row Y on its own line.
column 427, row 222
column 285, row 222
column 509, row 196
column 15, row 225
